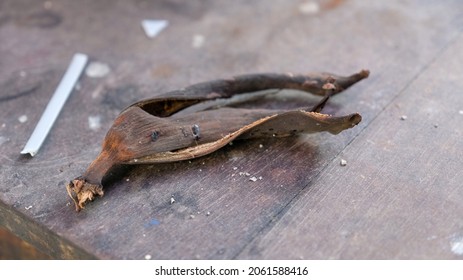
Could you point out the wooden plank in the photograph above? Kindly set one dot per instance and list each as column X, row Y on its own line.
column 135, row 218
column 39, row 236
column 399, row 197
column 14, row 248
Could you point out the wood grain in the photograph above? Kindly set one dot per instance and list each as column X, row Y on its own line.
column 399, row 196
column 398, row 189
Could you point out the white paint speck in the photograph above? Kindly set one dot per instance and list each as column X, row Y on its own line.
column 22, row 119
column 97, row 69
column 457, row 246
column 172, row 200
column 198, row 41
column 147, row 257
column 253, row 179
column 343, row 162
column 94, row 122
column 403, row 117
column 309, row 8
column 208, row 213
column 153, row 27
column 261, row 146
column 28, row 207
column 460, row 112
column 235, row 168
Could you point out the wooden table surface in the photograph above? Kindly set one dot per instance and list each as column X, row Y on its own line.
column 400, row 196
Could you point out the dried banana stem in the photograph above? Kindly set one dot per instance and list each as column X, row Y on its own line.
column 149, row 131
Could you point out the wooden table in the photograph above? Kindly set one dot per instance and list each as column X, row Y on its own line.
column 400, row 196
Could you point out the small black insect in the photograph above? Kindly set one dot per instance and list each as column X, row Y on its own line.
column 154, row 136
column 196, row 131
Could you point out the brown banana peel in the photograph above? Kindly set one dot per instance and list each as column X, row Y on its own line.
column 150, row 131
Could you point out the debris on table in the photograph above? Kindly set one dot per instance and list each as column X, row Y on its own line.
column 198, row 41
column 97, row 69
column 187, row 136
column 153, row 27
column 22, row 119
column 154, row 222
column 457, row 246
column 94, row 122
column 309, row 8
column 343, row 162
column 403, row 117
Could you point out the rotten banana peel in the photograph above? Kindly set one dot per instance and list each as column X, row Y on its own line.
column 154, row 131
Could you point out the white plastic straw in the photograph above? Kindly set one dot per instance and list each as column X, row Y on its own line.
column 57, row 101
